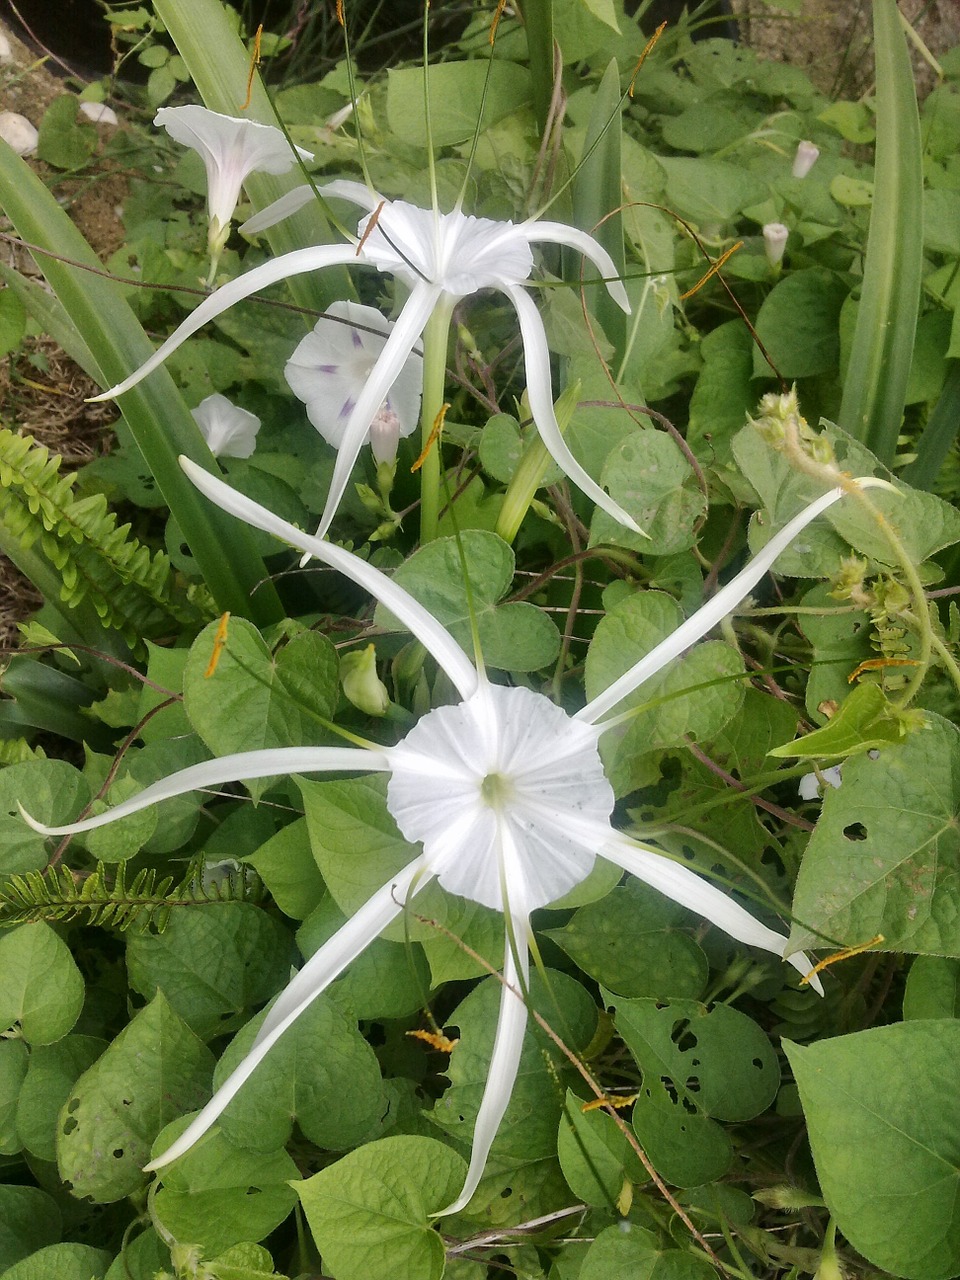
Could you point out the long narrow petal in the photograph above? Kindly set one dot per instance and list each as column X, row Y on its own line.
column 341, row 189
column 288, row 264
column 692, row 891
column 717, row 607
column 320, row 970
column 536, row 358
column 413, row 615
column 396, row 351
column 235, row 768
column 504, row 1062
column 574, row 238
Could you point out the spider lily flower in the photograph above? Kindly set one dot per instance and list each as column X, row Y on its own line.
column 331, row 366
column 230, row 432
column 441, row 257
column 505, row 791
column 231, row 149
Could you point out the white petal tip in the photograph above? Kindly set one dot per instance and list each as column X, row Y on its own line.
column 103, row 396
column 32, row 822
column 305, row 559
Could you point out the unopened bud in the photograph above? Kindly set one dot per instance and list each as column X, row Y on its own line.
column 806, row 157
column 775, row 236
column 361, row 684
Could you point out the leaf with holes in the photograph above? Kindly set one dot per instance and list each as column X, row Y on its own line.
column 52, row 1072
column 223, row 1194
column 699, row 1066
column 154, row 1070
column 885, row 856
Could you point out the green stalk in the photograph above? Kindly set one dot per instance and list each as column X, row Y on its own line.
column 155, row 411
column 538, row 21
column 530, row 471
column 875, row 386
column 220, row 66
column 435, row 338
column 941, row 430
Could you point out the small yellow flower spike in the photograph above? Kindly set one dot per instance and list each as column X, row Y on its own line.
column 501, row 5
column 846, row 954
column 254, row 63
column 436, row 1039
column 219, row 640
column 610, row 1100
column 437, row 428
column 714, row 268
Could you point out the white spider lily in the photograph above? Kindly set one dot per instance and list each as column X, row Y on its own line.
column 230, row 432
column 331, row 366
column 231, row 149
column 442, row 257
column 506, row 793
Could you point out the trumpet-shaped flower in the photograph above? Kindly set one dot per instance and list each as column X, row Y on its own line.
column 331, row 366
column 230, row 432
column 231, row 149
column 507, row 795
column 441, row 257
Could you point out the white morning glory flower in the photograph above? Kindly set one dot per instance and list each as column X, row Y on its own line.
column 230, row 432
column 504, row 789
column 806, row 157
column 442, row 257
column 810, row 784
column 331, row 366
column 231, row 149
column 775, row 237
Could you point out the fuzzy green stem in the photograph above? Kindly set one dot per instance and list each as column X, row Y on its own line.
column 435, row 337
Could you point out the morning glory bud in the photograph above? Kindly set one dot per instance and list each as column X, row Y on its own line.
column 805, row 159
column 775, row 241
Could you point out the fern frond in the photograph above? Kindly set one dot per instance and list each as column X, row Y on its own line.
column 105, row 898
column 133, row 589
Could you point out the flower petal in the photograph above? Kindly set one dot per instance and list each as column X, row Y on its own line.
column 414, row 617
column 574, row 238
column 230, row 432
column 407, row 328
column 504, row 1061
column 682, row 885
column 317, row 974
column 718, row 606
column 235, row 768
column 536, row 359
column 341, row 189
column 288, row 264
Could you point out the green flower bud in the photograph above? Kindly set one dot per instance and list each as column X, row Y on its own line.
column 361, row 684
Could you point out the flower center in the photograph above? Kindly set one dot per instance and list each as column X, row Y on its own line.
column 498, row 790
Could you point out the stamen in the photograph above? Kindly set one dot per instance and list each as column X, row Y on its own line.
column 878, row 664
column 714, row 268
column 219, row 640
column 340, row 13
column 374, row 217
column 845, row 954
column 435, row 1039
column 254, row 63
column 610, row 1100
column 643, row 57
column 435, row 431
column 501, row 5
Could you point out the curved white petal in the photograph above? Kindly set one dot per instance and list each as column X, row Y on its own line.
column 536, row 358
column 293, row 201
column 407, row 328
column 235, row 768
column 574, row 238
column 717, row 607
column 414, row 617
column 690, row 890
column 504, row 1062
column 288, row 264
column 322, row 968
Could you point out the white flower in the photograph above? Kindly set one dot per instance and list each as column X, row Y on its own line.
column 231, row 149
column 505, row 791
column 99, row 113
column 809, row 784
column 230, row 432
column 775, row 236
column 18, row 133
column 442, row 257
column 806, row 157
column 331, row 366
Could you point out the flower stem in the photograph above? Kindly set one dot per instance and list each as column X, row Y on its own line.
column 435, row 337
column 531, row 470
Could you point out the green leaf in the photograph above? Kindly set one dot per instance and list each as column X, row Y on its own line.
column 699, row 1065
column 885, row 855
column 933, row 988
column 142, row 1258
column 154, row 1070
column 799, row 322
column 66, row 141
column 635, row 1252
column 514, row 637
column 29, row 1220
column 321, row 1073
column 528, row 1130
column 653, row 481
column 724, row 394
column 51, row 1075
column 595, row 1156
column 883, row 1115
column 254, row 699
column 65, row 1261
column 630, row 941
column 54, row 791
column 708, row 191
column 214, row 965
column 840, row 640
column 456, row 93
column 14, row 1058
column 286, row 865
column 866, row 720
column 13, row 321
column 370, row 1212
column 42, row 990
column 221, row 1194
